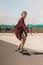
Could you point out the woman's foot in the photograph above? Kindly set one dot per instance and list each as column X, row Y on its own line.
column 18, row 48
column 21, row 51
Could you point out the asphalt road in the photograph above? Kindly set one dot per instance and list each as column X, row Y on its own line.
column 8, row 56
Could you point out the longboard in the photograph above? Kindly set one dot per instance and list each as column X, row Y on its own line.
column 24, row 52
column 20, row 50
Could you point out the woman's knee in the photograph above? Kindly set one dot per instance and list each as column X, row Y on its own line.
column 24, row 40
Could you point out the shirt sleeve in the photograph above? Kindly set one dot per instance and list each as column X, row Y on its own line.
column 24, row 26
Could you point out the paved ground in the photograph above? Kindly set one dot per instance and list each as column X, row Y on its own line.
column 8, row 56
column 34, row 41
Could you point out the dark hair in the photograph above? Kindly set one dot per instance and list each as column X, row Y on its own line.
column 24, row 12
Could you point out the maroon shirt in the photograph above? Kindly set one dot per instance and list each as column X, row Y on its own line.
column 20, row 27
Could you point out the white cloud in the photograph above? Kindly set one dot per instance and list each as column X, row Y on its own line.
column 2, row 14
column 5, row 19
column 40, row 13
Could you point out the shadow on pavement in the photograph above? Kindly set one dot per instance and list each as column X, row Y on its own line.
column 32, row 53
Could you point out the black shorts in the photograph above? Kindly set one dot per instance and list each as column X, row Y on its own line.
column 21, row 34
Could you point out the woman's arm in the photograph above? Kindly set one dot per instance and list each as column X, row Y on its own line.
column 24, row 26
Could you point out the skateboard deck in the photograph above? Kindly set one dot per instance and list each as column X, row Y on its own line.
column 24, row 52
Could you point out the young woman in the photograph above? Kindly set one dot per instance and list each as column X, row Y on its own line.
column 21, row 30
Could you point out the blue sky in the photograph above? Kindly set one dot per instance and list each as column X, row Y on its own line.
column 10, row 11
column 14, row 7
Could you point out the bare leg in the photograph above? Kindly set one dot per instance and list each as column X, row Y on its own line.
column 22, row 41
column 20, row 46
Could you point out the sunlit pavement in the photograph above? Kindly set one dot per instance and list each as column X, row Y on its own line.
column 34, row 41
